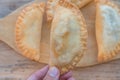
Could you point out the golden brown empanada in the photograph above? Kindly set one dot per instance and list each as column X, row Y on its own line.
column 28, row 31
column 107, row 30
column 68, row 36
column 51, row 4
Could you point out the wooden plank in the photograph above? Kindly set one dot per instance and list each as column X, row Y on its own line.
column 16, row 67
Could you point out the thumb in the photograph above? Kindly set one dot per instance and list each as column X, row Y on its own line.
column 52, row 74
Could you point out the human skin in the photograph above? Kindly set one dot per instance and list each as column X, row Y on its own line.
column 52, row 73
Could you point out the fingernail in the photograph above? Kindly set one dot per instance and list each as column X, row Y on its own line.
column 53, row 72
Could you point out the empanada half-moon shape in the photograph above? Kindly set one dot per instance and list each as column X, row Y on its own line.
column 68, row 37
column 51, row 4
column 107, row 30
column 28, row 31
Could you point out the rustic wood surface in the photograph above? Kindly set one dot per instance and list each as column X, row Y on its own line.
column 16, row 67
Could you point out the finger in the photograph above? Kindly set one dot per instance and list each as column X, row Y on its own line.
column 53, row 74
column 66, row 76
column 40, row 74
column 71, row 78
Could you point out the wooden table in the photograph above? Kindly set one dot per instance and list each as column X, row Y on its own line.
column 16, row 67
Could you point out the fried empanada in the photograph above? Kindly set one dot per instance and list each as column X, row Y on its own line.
column 51, row 5
column 107, row 30
column 28, row 31
column 68, row 36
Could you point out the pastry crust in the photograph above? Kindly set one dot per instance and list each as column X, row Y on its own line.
column 66, row 50
column 107, row 30
column 51, row 5
column 28, row 31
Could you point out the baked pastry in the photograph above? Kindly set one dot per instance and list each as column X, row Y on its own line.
column 28, row 31
column 68, row 36
column 51, row 5
column 107, row 30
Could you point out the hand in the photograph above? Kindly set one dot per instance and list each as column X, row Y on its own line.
column 50, row 74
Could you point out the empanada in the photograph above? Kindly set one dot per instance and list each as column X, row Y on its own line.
column 107, row 30
column 68, row 36
column 28, row 31
column 51, row 4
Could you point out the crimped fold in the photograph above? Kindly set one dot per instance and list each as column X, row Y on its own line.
column 68, row 36
column 107, row 30
column 28, row 31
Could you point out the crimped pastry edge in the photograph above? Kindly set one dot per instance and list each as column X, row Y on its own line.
column 29, row 53
column 84, row 35
column 102, row 56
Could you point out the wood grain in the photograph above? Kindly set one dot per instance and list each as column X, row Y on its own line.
column 16, row 67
